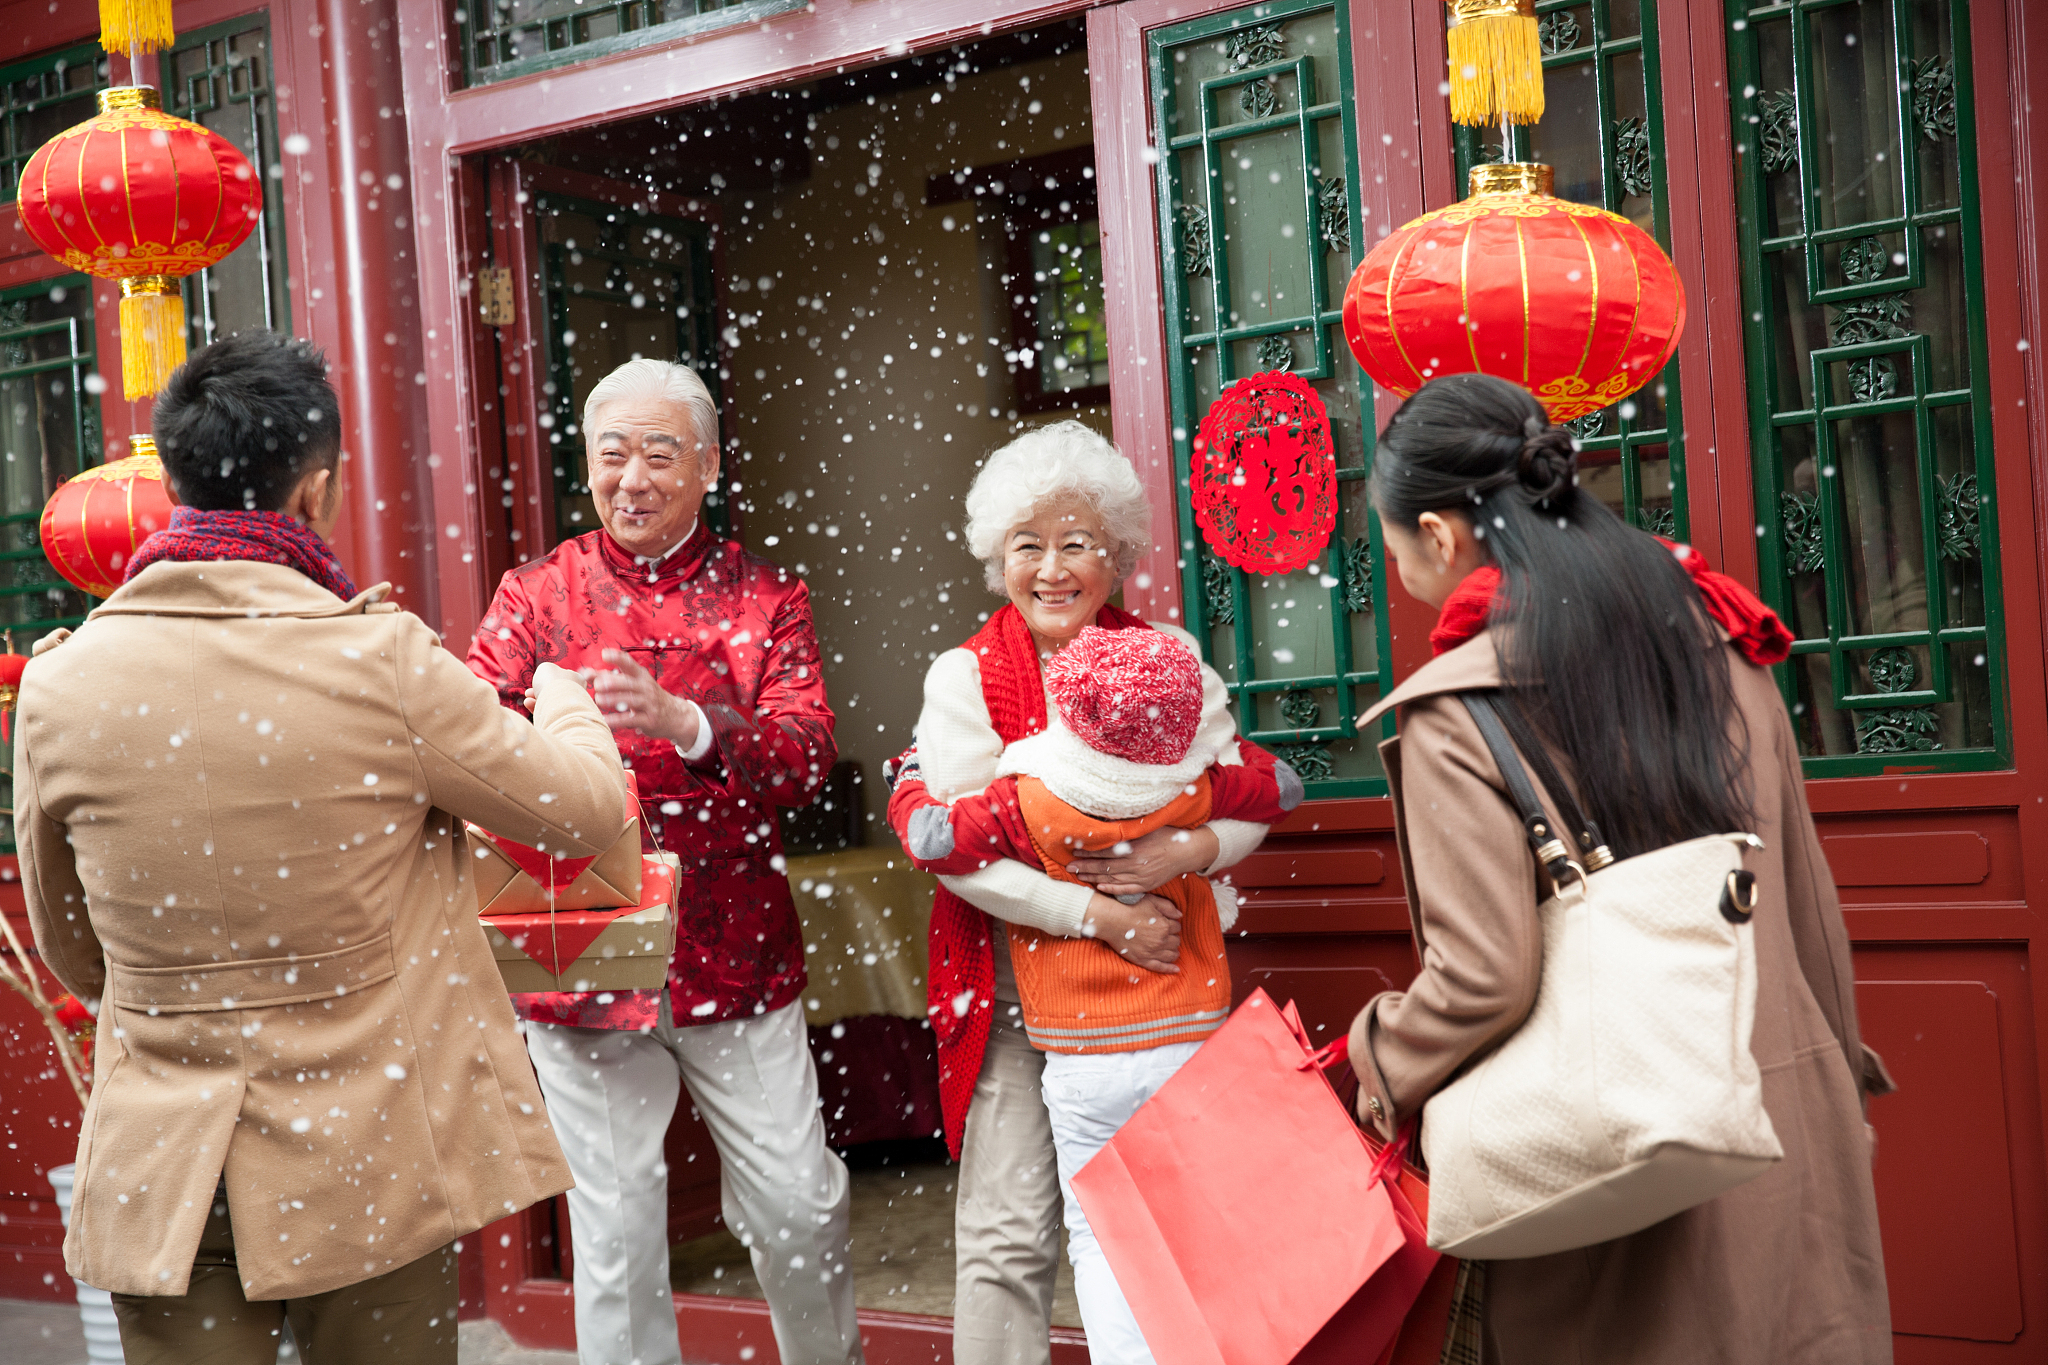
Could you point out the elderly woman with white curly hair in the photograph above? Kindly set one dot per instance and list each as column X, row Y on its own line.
column 1060, row 519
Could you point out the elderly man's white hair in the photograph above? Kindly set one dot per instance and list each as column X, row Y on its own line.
column 656, row 379
column 1062, row 460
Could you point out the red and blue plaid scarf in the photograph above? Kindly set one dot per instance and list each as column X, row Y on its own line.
column 266, row 537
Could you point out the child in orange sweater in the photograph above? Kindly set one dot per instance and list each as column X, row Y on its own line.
column 1114, row 764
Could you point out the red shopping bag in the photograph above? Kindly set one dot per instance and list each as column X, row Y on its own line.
column 1421, row 1337
column 1242, row 1213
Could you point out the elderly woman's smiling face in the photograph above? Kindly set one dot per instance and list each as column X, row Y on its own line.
column 1059, row 568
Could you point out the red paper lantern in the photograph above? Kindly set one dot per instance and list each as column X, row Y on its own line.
column 1577, row 305
column 137, row 195
column 91, row 526
column 1264, row 482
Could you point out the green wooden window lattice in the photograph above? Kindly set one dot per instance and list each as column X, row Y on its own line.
column 220, row 77
column 1257, row 195
column 506, row 38
column 1603, row 134
column 40, row 98
column 618, row 284
column 1869, row 411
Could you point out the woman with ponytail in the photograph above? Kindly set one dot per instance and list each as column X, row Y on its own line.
column 1645, row 677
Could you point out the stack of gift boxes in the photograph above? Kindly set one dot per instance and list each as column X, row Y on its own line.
column 606, row 923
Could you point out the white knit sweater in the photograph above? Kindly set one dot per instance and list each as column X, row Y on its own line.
column 959, row 752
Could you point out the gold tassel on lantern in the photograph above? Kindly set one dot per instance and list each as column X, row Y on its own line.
column 142, row 25
column 152, row 333
column 1496, row 62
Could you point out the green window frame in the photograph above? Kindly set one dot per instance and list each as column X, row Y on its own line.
column 1303, row 655
column 1604, row 136
column 1869, row 408
column 221, row 77
column 502, row 39
column 41, row 97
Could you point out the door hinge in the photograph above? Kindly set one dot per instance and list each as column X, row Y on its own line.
column 494, row 296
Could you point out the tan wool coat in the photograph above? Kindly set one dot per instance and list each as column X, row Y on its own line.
column 1785, row 1269
column 238, row 807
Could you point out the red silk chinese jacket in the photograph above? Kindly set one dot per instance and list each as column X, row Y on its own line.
column 731, row 632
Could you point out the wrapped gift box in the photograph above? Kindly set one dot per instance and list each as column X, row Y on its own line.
column 514, row 878
column 617, row 948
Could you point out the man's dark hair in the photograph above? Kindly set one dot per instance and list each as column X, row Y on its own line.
column 243, row 420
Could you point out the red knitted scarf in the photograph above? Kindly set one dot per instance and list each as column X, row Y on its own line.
column 266, row 537
column 960, row 987
column 1752, row 627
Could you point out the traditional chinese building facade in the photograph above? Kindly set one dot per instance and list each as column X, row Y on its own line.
column 890, row 231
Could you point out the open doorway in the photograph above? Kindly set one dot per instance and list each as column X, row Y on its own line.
column 884, row 276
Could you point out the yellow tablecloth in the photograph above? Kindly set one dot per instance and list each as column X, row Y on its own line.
column 865, row 914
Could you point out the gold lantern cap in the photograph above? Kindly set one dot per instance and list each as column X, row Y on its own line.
column 142, row 445
column 1513, row 177
column 129, row 97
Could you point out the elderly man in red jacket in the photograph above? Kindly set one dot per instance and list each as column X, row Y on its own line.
column 706, row 665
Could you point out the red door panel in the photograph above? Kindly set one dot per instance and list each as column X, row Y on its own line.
column 1944, row 1169
column 1889, row 857
column 1958, row 857
column 1329, row 979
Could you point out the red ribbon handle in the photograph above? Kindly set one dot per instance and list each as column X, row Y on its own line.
column 1387, row 1165
column 1330, row 1056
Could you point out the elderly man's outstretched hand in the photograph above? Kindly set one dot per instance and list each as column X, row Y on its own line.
column 630, row 699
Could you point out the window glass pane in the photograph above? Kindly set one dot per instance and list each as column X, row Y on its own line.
column 1865, row 351
column 40, row 98
column 1257, row 213
column 220, row 78
column 1855, row 103
column 1258, row 182
column 502, row 38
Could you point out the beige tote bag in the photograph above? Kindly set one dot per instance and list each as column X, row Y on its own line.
column 1629, row 1094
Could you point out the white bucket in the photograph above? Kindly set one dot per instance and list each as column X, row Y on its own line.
column 95, row 1306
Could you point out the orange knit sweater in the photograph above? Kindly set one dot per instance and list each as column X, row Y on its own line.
column 1079, row 994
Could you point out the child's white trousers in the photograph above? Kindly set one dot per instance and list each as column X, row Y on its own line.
column 1089, row 1097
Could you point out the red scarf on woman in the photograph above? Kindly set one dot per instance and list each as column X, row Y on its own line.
column 1752, row 627
column 961, row 985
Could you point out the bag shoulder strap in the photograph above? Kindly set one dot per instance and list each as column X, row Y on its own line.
column 1551, row 851
column 1581, row 826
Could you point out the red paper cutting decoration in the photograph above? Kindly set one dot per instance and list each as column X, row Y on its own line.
column 1265, row 477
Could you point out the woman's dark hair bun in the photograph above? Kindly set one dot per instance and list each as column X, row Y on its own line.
column 1549, row 462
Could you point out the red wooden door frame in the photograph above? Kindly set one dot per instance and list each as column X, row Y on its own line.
column 447, row 127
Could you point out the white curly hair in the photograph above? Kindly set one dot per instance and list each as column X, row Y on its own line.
column 1060, row 460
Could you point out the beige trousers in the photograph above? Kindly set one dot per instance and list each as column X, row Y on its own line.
column 1006, row 1227
column 402, row 1317
column 610, row 1095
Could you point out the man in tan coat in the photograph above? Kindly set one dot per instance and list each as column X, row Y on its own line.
column 239, row 796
